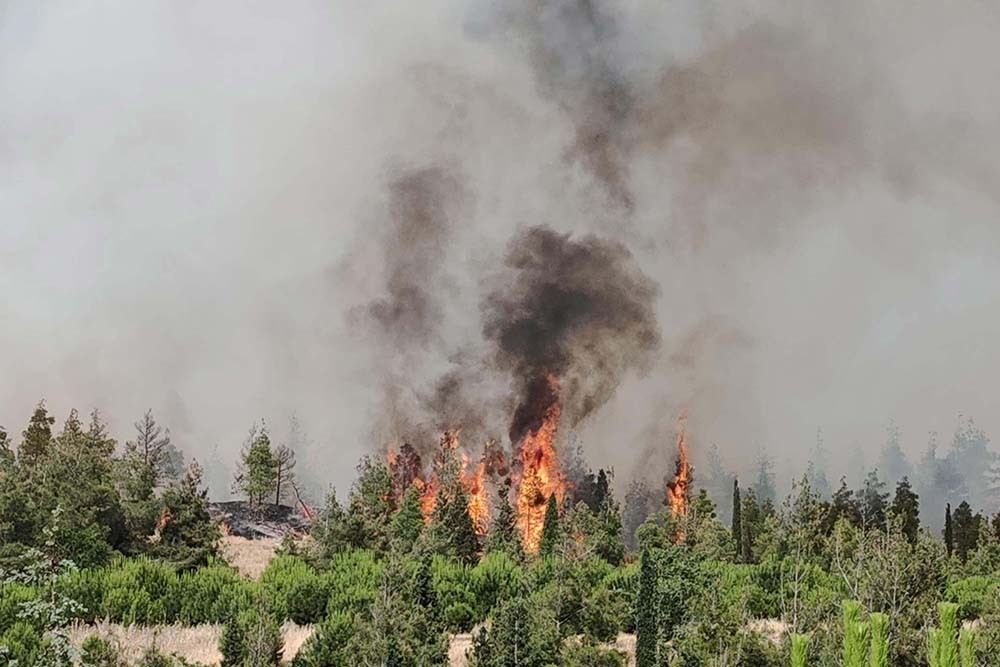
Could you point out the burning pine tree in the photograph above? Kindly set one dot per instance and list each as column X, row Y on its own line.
column 678, row 489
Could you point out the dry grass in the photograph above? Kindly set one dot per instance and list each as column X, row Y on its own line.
column 771, row 629
column 200, row 643
column 250, row 557
column 197, row 644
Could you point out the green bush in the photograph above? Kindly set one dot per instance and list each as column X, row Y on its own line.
column 454, row 593
column 974, row 595
column 588, row 654
column 12, row 597
column 327, row 647
column 496, row 576
column 140, row 591
column 295, row 590
column 213, row 594
column 98, row 652
column 352, row 578
column 252, row 638
column 21, row 644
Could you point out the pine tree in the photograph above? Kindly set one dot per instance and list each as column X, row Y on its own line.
column 842, row 506
column 257, row 471
column 503, row 533
column 816, row 470
column 905, row 508
column 154, row 446
column 284, row 472
column 949, row 537
column 37, row 438
column 893, row 463
column 452, row 524
column 647, row 621
column 408, row 522
column 188, row 536
column 873, row 501
column 737, row 528
column 550, row 528
column 764, row 488
column 639, row 502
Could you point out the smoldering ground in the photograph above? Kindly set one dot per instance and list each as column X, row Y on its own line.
column 197, row 200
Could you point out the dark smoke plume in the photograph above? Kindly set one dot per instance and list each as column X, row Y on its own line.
column 423, row 206
column 571, row 44
column 576, row 310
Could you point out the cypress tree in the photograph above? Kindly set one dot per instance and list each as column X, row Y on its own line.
column 737, row 519
column 965, row 530
column 647, row 613
column 550, row 529
column 949, row 539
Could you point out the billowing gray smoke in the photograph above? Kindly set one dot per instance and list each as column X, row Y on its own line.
column 193, row 194
column 423, row 206
column 579, row 311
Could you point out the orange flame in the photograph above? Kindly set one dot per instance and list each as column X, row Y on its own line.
column 678, row 488
column 475, row 485
column 540, row 477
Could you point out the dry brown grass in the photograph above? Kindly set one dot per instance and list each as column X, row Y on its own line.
column 250, row 557
column 199, row 643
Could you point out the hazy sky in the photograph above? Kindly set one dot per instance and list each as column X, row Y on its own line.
column 193, row 203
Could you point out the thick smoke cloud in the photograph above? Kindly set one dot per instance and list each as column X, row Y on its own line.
column 579, row 311
column 193, row 196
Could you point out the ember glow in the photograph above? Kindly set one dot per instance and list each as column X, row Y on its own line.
column 677, row 489
column 539, row 475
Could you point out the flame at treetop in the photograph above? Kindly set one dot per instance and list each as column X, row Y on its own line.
column 677, row 489
column 539, row 475
column 475, row 485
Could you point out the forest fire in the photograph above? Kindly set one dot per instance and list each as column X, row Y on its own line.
column 678, row 487
column 475, row 485
column 539, row 475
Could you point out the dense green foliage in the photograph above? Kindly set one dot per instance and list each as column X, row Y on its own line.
column 845, row 579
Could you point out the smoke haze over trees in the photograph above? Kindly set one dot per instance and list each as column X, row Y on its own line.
column 224, row 212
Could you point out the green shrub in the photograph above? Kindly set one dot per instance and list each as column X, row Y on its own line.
column 21, row 644
column 973, row 595
column 12, row 597
column 496, row 576
column 140, row 591
column 252, row 638
column 352, row 578
column 588, row 654
column 454, row 593
column 295, row 590
column 213, row 594
column 98, row 652
column 327, row 647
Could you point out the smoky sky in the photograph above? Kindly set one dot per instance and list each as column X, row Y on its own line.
column 231, row 211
